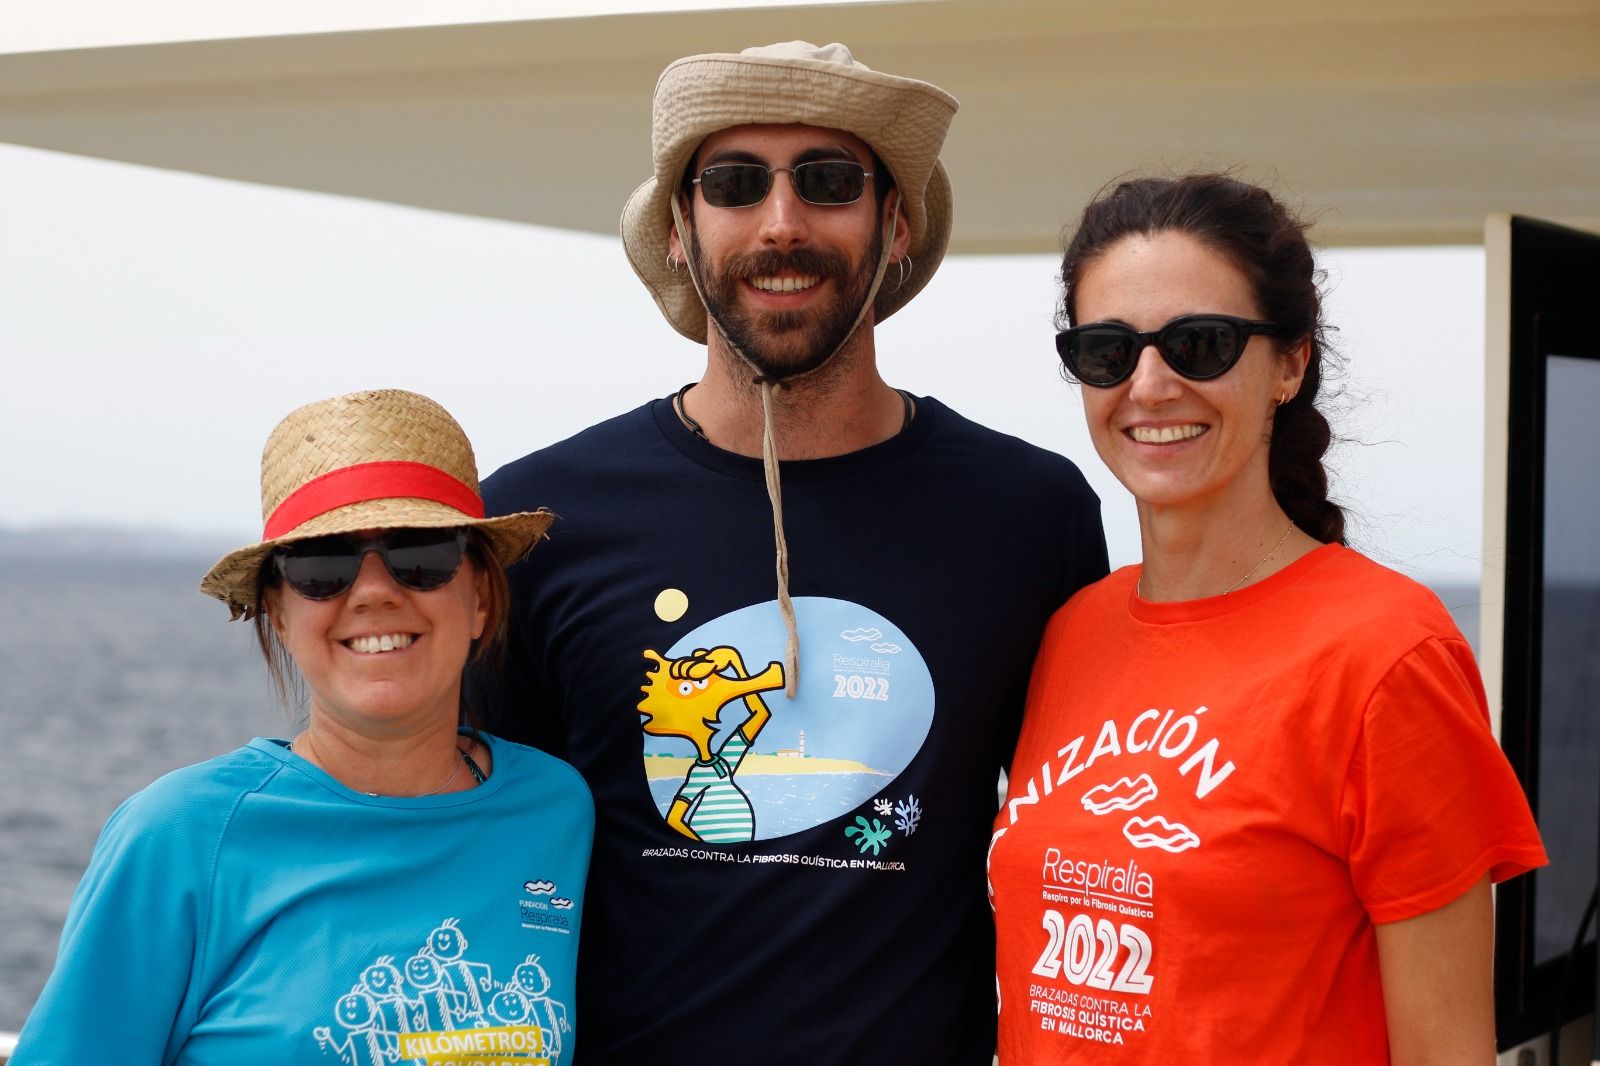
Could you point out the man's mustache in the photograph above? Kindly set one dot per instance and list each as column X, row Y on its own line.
column 809, row 261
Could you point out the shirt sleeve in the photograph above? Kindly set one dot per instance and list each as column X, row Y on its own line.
column 1430, row 803
column 123, row 973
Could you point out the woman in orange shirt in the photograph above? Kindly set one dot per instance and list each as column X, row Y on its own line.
column 1256, row 805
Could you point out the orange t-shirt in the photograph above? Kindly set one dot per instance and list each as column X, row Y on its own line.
column 1213, row 801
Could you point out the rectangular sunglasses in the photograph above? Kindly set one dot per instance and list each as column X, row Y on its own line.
column 1198, row 347
column 826, row 182
column 322, row 568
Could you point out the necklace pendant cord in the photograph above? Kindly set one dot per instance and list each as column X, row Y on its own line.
column 477, row 772
column 447, row 782
column 683, row 412
column 907, row 406
column 479, row 777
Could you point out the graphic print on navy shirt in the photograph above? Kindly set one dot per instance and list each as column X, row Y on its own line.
column 730, row 758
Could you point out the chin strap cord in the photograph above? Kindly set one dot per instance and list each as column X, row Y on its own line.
column 769, row 447
column 769, row 465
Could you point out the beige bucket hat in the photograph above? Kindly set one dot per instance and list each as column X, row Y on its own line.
column 382, row 459
column 902, row 119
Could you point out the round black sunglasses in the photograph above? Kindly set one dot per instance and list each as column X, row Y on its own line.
column 1199, row 347
column 322, row 568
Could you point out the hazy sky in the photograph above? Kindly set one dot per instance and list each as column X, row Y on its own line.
column 154, row 327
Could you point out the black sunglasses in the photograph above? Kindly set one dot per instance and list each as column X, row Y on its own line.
column 1199, row 347
column 324, row 567
column 828, row 182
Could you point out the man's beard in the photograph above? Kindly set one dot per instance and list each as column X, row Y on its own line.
column 814, row 334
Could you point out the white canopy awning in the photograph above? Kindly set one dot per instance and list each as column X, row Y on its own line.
column 1408, row 121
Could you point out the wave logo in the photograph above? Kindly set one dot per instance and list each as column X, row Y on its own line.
column 539, row 912
column 1128, row 794
column 1157, row 832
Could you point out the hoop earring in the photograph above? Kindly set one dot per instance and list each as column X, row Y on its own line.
column 906, row 267
column 672, row 262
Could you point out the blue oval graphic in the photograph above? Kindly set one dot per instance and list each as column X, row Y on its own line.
column 730, row 758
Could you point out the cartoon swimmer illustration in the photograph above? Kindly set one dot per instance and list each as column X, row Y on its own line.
column 684, row 698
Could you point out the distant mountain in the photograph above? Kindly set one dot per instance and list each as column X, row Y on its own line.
column 110, row 542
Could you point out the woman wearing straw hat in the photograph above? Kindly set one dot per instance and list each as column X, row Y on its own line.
column 386, row 886
column 1256, row 806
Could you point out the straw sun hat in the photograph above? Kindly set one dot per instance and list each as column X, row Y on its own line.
column 367, row 460
column 902, row 119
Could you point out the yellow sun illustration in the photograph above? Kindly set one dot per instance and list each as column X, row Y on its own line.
column 671, row 605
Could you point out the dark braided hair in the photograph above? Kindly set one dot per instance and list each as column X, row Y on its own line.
column 1267, row 242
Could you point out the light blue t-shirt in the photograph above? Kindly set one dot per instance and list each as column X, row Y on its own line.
column 251, row 909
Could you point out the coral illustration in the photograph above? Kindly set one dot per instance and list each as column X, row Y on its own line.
column 873, row 834
column 908, row 815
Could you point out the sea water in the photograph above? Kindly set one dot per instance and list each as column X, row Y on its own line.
column 112, row 672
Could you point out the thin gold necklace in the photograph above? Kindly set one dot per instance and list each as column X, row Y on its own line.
column 1138, row 586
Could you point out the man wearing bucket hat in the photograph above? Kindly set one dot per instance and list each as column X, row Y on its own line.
column 794, row 774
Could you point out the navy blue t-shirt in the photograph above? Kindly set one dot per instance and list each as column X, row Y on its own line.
column 774, row 879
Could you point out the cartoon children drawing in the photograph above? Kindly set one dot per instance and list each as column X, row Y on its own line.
column 365, row 1043
column 441, row 988
column 683, row 698
column 533, row 984
column 473, row 980
column 382, row 981
column 446, row 1008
